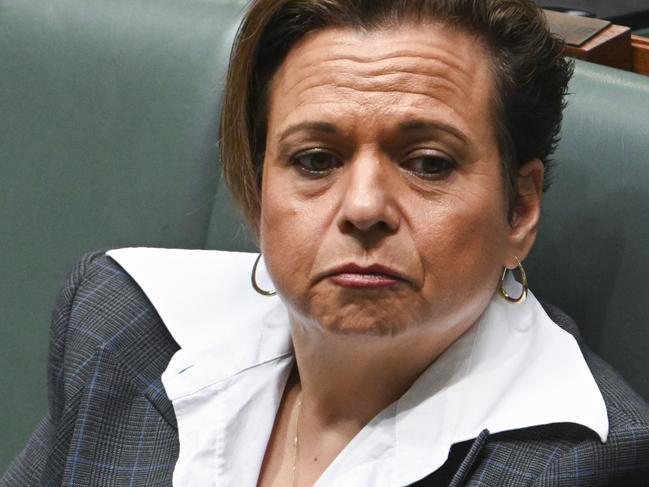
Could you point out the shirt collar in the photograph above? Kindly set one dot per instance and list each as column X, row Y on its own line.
column 514, row 369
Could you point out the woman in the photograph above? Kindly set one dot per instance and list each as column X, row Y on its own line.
column 391, row 157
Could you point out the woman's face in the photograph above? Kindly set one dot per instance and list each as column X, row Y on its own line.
column 383, row 204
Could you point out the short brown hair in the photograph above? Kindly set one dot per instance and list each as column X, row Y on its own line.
column 530, row 73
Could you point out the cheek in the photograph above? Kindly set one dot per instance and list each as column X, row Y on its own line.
column 463, row 244
column 288, row 234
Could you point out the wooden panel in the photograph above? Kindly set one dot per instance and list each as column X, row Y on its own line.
column 640, row 49
column 574, row 30
column 611, row 47
column 593, row 40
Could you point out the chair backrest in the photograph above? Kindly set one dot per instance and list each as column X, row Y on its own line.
column 592, row 254
column 108, row 132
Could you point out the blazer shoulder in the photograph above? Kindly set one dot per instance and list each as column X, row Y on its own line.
column 622, row 460
column 101, row 296
column 625, row 407
column 564, row 454
column 106, row 310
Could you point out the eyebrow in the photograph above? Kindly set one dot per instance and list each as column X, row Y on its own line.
column 415, row 125
column 420, row 125
column 322, row 127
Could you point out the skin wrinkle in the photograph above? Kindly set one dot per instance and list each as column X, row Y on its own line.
column 410, row 106
column 449, row 65
column 392, row 67
column 353, row 86
column 409, row 51
column 429, row 82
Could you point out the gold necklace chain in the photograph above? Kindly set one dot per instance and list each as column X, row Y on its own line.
column 296, row 440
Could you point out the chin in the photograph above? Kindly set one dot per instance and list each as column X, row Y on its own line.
column 363, row 321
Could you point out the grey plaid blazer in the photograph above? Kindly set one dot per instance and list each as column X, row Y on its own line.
column 111, row 424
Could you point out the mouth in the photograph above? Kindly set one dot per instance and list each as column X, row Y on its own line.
column 375, row 276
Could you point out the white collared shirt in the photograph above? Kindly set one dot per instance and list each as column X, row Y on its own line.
column 513, row 369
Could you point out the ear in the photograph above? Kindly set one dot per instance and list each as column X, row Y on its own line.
column 526, row 210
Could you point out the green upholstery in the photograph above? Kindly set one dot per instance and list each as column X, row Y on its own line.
column 592, row 254
column 108, row 119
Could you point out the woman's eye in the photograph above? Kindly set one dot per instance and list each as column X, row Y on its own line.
column 316, row 162
column 428, row 166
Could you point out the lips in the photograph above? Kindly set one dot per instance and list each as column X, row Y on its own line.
column 369, row 277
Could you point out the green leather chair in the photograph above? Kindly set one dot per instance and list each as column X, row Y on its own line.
column 108, row 131
column 592, row 254
column 108, row 117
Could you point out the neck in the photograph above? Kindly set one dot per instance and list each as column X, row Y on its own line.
column 346, row 380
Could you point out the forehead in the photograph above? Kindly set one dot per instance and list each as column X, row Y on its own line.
column 424, row 70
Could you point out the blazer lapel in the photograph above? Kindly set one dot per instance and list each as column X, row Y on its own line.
column 147, row 357
column 459, row 465
column 469, row 461
column 157, row 396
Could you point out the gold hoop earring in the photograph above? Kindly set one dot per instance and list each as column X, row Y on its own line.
column 253, row 280
column 523, row 294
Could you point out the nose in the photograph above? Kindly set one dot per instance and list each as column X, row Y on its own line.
column 369, row 199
